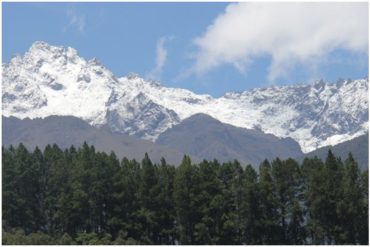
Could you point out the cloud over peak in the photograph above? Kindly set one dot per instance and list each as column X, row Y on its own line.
column 161, row 57
column 290, row 33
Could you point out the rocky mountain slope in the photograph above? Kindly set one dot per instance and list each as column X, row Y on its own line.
column 66, row 131
column 49, row 80
column 203, row 136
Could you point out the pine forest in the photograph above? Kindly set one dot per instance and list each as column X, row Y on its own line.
column 82, row 196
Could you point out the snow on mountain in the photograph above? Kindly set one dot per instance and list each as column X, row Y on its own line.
column 50, row 80
column 314, row 115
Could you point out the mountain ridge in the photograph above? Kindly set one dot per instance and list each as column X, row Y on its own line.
column 203, row 136
column 68, row 130
column 50, row 80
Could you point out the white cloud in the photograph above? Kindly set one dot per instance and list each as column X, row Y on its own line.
column 161, row 57
column 291, row 33
column 75, row 20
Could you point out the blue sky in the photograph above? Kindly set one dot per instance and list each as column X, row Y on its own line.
column 208, row 48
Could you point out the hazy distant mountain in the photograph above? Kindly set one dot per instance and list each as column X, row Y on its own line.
column 51, row 80
column 66, row 131
column 208, row 138
column 359, row 147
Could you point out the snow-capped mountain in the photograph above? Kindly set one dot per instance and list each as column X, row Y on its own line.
column 314, row 115
column 51, row 80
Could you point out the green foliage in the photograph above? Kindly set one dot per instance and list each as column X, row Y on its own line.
column 14, row 237
column 81, row 196
column 18, row 237
column 65, row 239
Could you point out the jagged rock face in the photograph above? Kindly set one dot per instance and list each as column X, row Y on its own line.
column 50, row 80
column 314, row 115
column 139, row 116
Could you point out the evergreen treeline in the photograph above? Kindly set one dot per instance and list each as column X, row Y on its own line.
column 80, row 196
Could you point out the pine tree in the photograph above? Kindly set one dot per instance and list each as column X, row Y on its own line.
column 333, row 193
column 57, row 190
column 26, row 187
column 363, row 224
column 165, row 211
column 231, row 177
column 350, row 207
column 186, row 179
column 209, row 205
column 146, row 214
column 314, row 199
column 10, row 190
column 287, row 179
column 250, row 208
column 269, row 219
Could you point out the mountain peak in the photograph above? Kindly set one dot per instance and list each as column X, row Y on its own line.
column 201, row 117
column 41, row 51
column 94, row 61
column 51, row 80
column 132, row 76
column 40, row 45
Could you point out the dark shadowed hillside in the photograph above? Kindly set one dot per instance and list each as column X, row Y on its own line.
column 359, row 147
column 67, row 131
column 208, row 138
